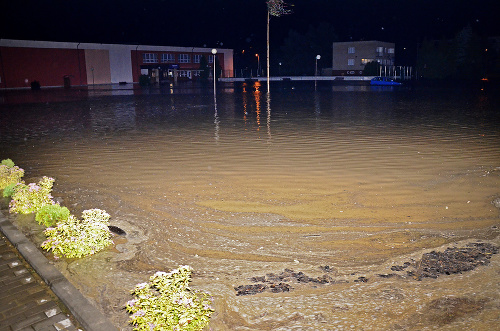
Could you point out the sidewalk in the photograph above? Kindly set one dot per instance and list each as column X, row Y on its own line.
column 34, row 295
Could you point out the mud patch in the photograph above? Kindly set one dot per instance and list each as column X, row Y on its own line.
column 443, row 311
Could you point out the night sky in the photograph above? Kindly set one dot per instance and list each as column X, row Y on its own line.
column 240, row 24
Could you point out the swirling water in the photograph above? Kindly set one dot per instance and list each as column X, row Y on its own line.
column 251, row 183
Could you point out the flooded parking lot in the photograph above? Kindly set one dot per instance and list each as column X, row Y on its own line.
column 340, row 183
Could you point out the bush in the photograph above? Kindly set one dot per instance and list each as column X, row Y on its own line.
column 30, row 198
column 8, row 191
column 9, row 173
column 372, row 69
column 35, row 85
column 144, row 80
column 50, row 215
column 8, row 162
column 75, row 238
column 167, row 303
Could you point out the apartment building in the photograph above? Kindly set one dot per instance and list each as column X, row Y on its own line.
column 350, row 58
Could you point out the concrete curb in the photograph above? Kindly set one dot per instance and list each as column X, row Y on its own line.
column 87, row 315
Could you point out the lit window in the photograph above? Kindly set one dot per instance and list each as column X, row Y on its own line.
column 365, row 61
column 184, row 58
column 167, row 57
column 150, row 58
column 350, row 62
column 197, row 58
column 390, row 51
column 210, row 59
column 380, row 51
column 351, row 50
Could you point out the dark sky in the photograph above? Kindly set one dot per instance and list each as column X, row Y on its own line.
column 240, row 24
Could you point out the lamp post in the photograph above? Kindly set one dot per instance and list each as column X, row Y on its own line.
column 214, row 52
column 258, row 64
column 318, row 57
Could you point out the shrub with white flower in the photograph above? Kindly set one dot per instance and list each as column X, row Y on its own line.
column 167, row 303
column 74, row 238
column 9, row 173
column 30, row 198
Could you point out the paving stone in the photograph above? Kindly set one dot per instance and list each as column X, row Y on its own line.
column 27, row 321
column 49, row 323
column 28, row 292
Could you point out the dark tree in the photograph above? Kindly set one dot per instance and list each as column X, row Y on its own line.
column 371, row 69
column 300, row 49
column 204, row 68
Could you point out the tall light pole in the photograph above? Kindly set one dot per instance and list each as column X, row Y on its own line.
column 318, row 57
column 214, row 52
column 258, row 64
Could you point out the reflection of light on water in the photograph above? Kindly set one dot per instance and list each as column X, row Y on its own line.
column 268, row 99
column 257, row 95
column 216, row 121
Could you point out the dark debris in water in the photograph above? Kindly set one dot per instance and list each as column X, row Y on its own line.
column 452, row 261
column 116, row 230
column 277, row 283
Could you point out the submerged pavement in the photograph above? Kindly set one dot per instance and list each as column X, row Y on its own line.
column 39, row 299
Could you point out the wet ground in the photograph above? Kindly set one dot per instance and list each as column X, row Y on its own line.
column 308, row 198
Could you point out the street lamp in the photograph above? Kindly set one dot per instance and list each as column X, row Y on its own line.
column 258, row 64
column 214, row 52
column 318, row 57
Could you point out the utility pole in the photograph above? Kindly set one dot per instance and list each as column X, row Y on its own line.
column 274, row 8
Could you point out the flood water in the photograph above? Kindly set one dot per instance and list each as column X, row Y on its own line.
column 345, row 181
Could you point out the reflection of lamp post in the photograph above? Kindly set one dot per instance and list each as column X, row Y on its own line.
column 214, row 52
column 258, row 64
column 317, row 58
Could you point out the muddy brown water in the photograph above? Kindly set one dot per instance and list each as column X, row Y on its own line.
column 353, row 178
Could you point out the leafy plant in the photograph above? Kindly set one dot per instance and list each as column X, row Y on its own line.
column 167, row 303
column 49, row 215
column 30, row 198
column 8, row 191
column 9, row 173
column 8, row 162
column 75, row 238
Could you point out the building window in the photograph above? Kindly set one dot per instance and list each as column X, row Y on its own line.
column 197, row 58
column 184, row 58
column 351, row 50
column 210, row 59
column 350, row 62
column 365, row 61
column 196, row 73
column 390, row 50
column 380, row 51
column 150, row 58
column 167, row 57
